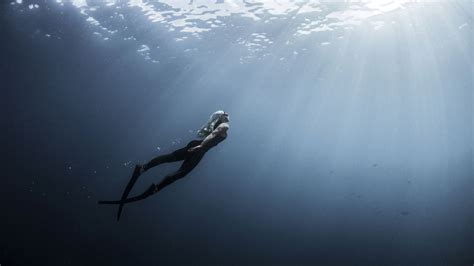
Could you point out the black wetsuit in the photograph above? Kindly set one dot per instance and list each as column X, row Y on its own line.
column 191, row 160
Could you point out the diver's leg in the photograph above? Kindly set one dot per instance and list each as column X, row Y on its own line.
column 175, row 156
column 188, row 165
column 151, row 190
column 185, row 168
column 139, row 169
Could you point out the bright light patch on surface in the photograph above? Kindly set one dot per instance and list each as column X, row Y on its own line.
column 463, row 26
column 93, row 21
column 79, row 3
column 143, row 48
column 185, row 16
column 199, row 20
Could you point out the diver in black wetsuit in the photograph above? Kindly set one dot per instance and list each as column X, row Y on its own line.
column 193, row 152
column 211, row 134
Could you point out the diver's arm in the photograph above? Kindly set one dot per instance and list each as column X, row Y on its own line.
column 219, row 131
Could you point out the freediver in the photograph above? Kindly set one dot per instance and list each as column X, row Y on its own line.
column 210, row 134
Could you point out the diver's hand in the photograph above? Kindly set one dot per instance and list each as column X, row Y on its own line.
column 193, row 149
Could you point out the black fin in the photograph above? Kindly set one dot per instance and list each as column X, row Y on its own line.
column 128, row 188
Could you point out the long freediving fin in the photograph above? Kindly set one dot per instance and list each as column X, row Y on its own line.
column 128, row 188
column 109, row 202
column 150, row 191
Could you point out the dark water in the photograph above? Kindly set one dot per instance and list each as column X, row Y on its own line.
column 350, row 146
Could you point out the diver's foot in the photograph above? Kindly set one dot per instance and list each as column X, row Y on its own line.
column 140, row 168
column 151, row 190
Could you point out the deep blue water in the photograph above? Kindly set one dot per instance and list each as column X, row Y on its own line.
column 351, row 145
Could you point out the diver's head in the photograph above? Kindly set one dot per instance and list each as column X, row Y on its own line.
column 219, row 117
